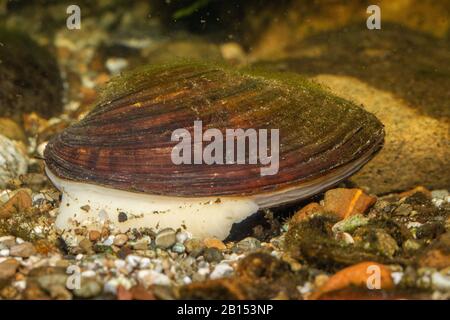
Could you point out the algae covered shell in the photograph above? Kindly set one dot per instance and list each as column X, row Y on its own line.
column 125, row 142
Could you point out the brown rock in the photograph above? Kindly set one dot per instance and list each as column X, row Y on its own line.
column 8, row 269
column 356, row 276
column 347, row 202
column 18, row 203
column 140, row 293
column 94, row 235
column 123, row 294
column 120, row 239
column 306, row 211
column 12, row 130
column 420, row 189
column 23, row 250
column 214, row 243
column 438, row 254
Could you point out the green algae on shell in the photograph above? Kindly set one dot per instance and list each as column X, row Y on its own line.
column 125, row 142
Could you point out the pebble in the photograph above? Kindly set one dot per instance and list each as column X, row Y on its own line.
column 178, row 248
column 8, row 241
column 89, row 288
column 86, row 246
column 120, row 239
column 221, row 270
column 440, row 281
column 116, row 65
column 133, row 261
column 13, row 161
column 439, row 194
column 214, row 243
column 182, row 236
column 109, row 241
column 4, row 253
column 346, row 202
column 350, row 224
column 142, row 244
column 144, row 263
column 305, row 212
column 248, row 244
column 8, row 268
column 194, row 246
column 94, row 235
column 151, row 277
column 24, row 250
column 165, row 238
column 213, row 255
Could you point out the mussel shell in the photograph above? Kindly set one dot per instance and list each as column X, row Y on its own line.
column 125, row 142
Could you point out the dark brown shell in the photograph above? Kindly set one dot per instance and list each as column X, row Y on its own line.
column 125, row 142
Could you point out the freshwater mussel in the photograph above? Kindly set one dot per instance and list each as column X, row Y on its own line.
column 116, row 164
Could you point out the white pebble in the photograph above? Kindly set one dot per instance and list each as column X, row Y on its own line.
column 79, row 257
column 221, row 270
column 397, row 277
column 109, row 241
column 4, row 253
column 119, row 263
column 144, row 263
column 187, row 280
column 182, row 236
column 133, row 261
column 88, row 274
column 152, row 277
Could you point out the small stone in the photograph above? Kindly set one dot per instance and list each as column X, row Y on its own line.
column 214, row 243
column 166, row 238
column 13, row 161
column 8, row 241
column 23, row 250
column 4, row 253
column 182, row 236
column 439, row 194
column 12, row 130
column 86, row 246
column 306, row 211
column 221, row 270
column 350, row 224
column 120, row 239
column 412, row 245
column 385, row 243
column 178, row 248
column 194, row 247
column 151, row 277
column 139, row 293
column 122, row 217
column 94, row 235
column 47, row 281
column 89, row 288
column 403, row 210
column 86, row 208
column 8, row 268
column 347, row 202
column 142, row 244
column 248, row 244
column 19, row 202
column 213, row 255
column 344, row 237
column 420, row 189
column 123, row 294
